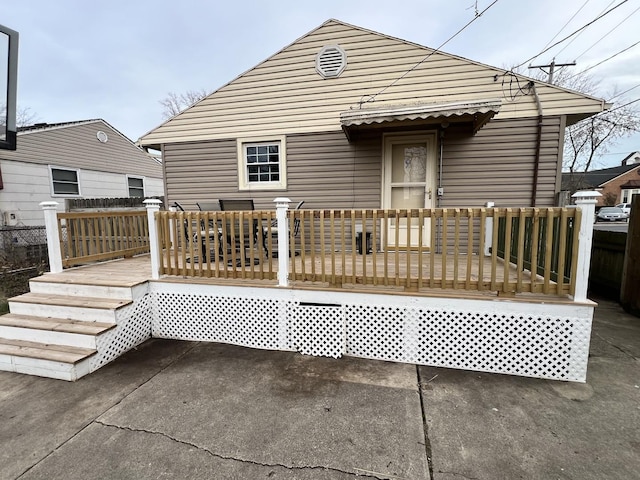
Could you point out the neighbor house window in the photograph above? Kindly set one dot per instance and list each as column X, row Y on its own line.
column 262, row 164
column 136, row 186
column 65, row 181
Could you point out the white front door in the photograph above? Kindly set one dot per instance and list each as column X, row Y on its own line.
column 409, row 182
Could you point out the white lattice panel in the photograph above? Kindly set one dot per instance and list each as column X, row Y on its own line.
column 518, row 344
column 250, row 322
column 133, row 326
column 317, row 330
column 547, row 341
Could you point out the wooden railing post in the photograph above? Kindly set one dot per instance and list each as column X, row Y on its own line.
column 587, row 202
column 282, row 206
column 488, row 231
column 153, row 206
column 53, row 235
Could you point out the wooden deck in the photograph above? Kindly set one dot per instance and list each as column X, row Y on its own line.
column 132, row 271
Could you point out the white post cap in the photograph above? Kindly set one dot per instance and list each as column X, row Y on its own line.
column 586, row 196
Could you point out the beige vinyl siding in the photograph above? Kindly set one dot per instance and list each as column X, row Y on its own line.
column 497, row 164
column 285, row 95
column 324, row 170
column 76, row 146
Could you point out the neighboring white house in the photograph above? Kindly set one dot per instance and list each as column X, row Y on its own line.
column 83, row 159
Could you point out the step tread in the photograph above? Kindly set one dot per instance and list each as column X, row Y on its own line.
column 45, row 351
column 55, row 324
column 71, row 301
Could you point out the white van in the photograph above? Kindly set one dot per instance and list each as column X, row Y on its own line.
column 626, row 208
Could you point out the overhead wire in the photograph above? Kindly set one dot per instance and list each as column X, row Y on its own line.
column 574, row 33
column 601, row 62
column 372, row 98
column 578, row 35
column 568, row 22
column 608, row 33
column 626, row 91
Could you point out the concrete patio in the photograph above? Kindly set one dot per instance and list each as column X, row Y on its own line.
column 176, row 409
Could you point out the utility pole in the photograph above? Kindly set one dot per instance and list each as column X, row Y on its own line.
column 552, row 66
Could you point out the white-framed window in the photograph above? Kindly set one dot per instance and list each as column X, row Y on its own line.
column 628, row 194
column 135, row 186
column 65, row 181
column 262, row 163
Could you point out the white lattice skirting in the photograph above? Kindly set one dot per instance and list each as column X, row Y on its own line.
column 517, row 338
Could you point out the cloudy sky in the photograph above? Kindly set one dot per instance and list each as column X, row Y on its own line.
column 116, row 60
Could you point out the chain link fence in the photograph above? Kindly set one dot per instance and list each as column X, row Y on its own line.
column 23, row 255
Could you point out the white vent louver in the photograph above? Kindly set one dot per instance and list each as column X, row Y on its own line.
column 331, row 61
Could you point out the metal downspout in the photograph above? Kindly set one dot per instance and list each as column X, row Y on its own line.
column 536, row 165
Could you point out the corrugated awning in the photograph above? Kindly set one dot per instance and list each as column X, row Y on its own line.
column 478, row 112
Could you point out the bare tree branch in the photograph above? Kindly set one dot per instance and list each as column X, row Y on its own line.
column 175, row 103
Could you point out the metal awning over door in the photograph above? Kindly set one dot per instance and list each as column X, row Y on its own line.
column 478, row 113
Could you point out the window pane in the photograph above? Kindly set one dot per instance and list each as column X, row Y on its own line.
column 135, row 182
column 262, row 162
column 64, row 175
column 66, row 188
column 136, row 192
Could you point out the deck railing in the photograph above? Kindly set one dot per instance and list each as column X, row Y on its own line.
column 481, row 249
column 98, row 236
column 507, row 251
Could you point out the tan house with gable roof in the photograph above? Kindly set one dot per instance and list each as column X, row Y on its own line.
column 346, row 117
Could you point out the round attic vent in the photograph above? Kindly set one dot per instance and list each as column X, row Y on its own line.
column 331, row 61
column 102, row 137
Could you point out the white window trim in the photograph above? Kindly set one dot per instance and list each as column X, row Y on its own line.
column 65, row 195
column 144, row 185
column 243, row 184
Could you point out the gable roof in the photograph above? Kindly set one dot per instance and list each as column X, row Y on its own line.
column 76, row 145
column 594, row 178
column 285, row 94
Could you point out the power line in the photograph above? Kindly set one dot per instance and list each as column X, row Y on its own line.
column 568, row 22
column 578, row 35
column 626, row 91
column 607, row 34
column 477, row 16
column 572, row 34
column 605, row 60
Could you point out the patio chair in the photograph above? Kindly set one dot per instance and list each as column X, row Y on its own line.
column 203, row 232
column 213, row 206
column 296, row 229
column 242, row 205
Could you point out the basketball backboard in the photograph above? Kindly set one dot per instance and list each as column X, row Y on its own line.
column 8, row 87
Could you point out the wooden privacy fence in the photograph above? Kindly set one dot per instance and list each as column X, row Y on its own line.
column 96, row 236
column 481, row 249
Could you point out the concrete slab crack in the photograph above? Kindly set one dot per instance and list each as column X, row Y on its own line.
column 457, row 475
column 616, row 346
column 139, row 385
column 427, row 441
column 241, row 460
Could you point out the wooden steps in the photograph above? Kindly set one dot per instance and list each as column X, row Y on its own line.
column 54, row 330
column 44, row 351
column 70, row 301
column 55, row 324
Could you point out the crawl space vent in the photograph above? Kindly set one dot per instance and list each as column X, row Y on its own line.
column 331, row 61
